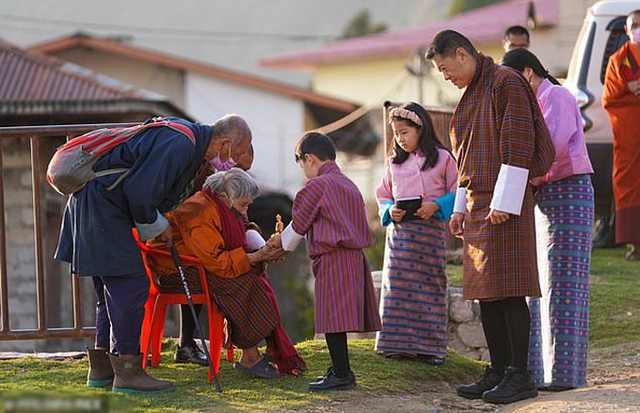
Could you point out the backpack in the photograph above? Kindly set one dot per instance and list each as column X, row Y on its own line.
column 71, row 167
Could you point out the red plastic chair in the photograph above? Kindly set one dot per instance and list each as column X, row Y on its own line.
column 156, row 309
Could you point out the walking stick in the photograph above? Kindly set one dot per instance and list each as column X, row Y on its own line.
column 176, row 261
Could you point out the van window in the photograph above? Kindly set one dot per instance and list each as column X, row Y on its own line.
column 582, row 54
column 616, row 39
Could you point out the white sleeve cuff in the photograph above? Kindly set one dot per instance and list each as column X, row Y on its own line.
column 290, row 238
column 149, row 231
column 460, row 203
column 508, row 193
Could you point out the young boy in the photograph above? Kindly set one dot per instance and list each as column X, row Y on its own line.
column 330, row 211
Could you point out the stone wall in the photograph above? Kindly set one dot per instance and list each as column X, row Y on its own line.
column 466, row 336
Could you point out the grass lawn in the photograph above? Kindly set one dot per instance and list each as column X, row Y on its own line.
column 615, row 319
column 241, row 393
column 615, row 297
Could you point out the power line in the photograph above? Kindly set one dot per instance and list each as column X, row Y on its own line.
column 168, row 30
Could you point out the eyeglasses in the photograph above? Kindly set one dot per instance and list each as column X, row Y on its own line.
column 298, row 157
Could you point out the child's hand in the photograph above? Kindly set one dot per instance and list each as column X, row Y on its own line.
column 427, row 210
column 275, row 241
column 396, row 213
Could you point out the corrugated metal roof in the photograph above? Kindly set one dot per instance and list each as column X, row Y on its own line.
column 179, row 63
column 32, row 77
column 482, row 25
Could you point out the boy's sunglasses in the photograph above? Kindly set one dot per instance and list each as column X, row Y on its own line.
column 298, row 157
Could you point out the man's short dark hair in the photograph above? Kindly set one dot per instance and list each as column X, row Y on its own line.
column 447, row 42
column 517, row 31
column 318, row 144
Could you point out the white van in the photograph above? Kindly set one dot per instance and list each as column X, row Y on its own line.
column 602, row 34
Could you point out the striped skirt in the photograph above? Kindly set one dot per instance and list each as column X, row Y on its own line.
column 560, row 319
column 413, row 297
column 250, row 313
column 345, row 299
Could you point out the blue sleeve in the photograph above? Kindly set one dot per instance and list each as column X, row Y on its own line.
column 162, row 160
column 446, row 206
column 383, row 211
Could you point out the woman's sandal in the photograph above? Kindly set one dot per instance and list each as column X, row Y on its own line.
column 261, row 369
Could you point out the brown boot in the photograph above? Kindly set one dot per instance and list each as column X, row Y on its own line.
column 131, row 378
column 100, row 370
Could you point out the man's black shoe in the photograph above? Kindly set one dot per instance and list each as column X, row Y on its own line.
column 516, row 385
column 191, row 353
column 333, row 382
column 320, row 378
column 491, row 378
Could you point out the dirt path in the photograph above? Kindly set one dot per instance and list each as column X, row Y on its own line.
column 614, row 387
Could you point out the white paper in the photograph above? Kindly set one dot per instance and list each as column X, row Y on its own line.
column 508, row 193
column 460, row 203
column 290, row 238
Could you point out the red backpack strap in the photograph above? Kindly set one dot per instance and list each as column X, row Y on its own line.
column 185, row 130
column 114, row 137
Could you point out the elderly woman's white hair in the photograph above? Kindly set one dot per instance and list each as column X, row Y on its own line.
column 234, row 183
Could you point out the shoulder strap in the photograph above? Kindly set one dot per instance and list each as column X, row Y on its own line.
column 101, row 146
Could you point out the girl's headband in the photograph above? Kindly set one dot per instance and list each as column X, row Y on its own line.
column 403, row 113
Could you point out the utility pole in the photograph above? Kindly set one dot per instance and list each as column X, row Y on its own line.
column 418, row 68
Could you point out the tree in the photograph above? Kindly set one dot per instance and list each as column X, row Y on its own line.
column 459, row 6
column 361, row 25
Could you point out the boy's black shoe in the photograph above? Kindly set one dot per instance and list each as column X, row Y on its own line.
column 191, row 353
column 491, row 378
column 332, row 382
column 516, row 385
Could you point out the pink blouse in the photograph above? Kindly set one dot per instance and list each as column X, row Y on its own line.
column 407, row 180
column 562, row 116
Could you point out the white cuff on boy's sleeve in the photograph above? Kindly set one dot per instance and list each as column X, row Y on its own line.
column 508, row 193
column 460, row 203
column 290, row 238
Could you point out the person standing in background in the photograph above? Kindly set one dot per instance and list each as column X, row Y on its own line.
column 515, row 37
column 621, row 100
column 564, row 215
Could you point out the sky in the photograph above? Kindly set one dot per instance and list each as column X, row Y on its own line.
column 231, row 34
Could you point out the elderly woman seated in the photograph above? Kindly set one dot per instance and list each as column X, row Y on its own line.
column 210, row 226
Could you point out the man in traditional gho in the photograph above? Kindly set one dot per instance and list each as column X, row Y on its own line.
column 500, row 141
column 621, row 100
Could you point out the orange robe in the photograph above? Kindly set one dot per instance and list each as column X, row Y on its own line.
column 197, row 231
column 623, row 108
